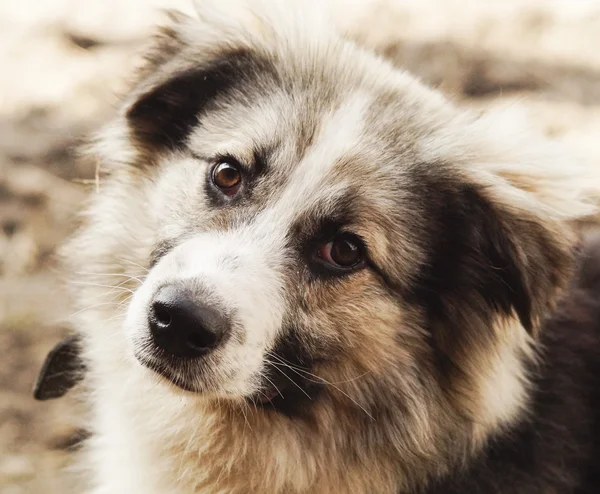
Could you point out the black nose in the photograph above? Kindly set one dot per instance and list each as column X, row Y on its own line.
column 182, row 325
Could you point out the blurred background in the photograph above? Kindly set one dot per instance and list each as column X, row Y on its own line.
column 63, row 64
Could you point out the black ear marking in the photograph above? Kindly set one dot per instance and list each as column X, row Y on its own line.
column 164, row 116
column 482, row 252
column 62, row 369
column 503, row 279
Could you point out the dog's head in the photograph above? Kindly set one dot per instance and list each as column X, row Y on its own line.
column 323, row 233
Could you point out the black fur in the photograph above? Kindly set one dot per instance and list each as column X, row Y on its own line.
column 288, row 370
column 62, row 369
column 556, row 448
column 163, row 117
column 473, row 251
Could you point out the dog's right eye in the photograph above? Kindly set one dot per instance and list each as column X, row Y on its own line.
column 345, row 252
column 227, row 177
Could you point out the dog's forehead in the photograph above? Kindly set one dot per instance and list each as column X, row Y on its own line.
column 306, row 135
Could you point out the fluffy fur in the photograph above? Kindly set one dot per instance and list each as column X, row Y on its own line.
column 430, row 370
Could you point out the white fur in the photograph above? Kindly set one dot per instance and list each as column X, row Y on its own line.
column 151, row 437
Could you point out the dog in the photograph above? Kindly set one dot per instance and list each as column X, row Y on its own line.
column 306, row 272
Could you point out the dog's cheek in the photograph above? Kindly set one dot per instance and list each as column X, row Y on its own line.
column 361, row 324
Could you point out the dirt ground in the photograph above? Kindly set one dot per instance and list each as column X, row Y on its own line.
column 62, row 65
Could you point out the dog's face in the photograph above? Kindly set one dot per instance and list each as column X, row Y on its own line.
column 289, row 219
column 322, row 231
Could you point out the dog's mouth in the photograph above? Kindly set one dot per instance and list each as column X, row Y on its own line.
column 285, row 391
column 282, row 390
column 167, row 371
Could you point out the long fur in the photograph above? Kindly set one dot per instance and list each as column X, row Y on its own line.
column 433, row 369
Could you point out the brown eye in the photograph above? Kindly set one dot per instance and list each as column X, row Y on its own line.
column 227, row 177
column 344, row 251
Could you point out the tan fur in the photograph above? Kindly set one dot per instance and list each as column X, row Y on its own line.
column 387, row 421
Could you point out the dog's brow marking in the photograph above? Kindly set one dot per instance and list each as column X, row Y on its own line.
column 338, row 136
column 306, row 185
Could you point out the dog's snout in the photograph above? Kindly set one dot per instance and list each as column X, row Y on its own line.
column 183, row 325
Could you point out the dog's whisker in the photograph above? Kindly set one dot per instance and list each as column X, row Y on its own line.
column 121, row 275
column 324, row 381
column 98, row 285
column 302, row 369
column 243, row 409
column 263, row 375
column 95, row 306
column 291, row 380
column 129, row 261
column 253, row 401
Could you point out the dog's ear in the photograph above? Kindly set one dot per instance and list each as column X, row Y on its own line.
column 513, row 211
column 193, row 64
column 62, row 369
column 488, row 262
column 163, row 116
column 183, row 73
column 520, row 260
column 538, row 193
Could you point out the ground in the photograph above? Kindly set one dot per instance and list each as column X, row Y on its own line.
column 63, row 64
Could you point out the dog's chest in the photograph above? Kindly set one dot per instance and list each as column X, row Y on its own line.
column 181, row 449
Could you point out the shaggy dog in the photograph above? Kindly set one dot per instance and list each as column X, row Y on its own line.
column 307, row 273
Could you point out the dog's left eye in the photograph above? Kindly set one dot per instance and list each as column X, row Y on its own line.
column 345, row 251
column 227, row 176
